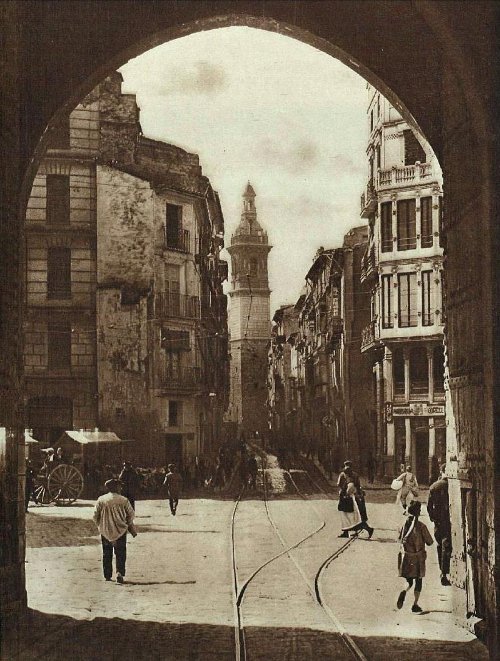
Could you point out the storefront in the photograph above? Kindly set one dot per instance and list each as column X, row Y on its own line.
column 419, row 433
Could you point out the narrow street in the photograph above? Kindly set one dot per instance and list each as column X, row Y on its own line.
column 178, row 602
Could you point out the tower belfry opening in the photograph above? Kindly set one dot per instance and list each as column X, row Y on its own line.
column 249, row 320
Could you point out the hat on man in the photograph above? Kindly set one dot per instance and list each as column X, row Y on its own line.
column 171, row 467
column 113, row 484
column 347, row 464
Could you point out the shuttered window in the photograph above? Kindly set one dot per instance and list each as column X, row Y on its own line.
column 407, row 225
column 386, row 226
column 426, row 227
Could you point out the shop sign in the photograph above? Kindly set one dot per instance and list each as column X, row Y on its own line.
column 415, row 409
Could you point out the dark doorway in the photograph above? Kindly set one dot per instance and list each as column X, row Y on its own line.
column 422, row 455
column 173, row 449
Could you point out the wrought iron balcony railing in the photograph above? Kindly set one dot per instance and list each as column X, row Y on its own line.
column 179, row 241
column 180, row 378
column 171, row 304
column 369, row 336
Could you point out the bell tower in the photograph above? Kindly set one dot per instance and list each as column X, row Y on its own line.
column 249, row 320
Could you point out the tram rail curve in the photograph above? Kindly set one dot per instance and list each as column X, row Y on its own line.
column 240, row 587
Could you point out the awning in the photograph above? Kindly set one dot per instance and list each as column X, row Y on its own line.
column 28, row 439
column 89, row 437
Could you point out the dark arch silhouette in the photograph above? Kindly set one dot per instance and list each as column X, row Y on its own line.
column 437, row 62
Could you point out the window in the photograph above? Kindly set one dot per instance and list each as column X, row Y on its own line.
column 59, row 345
column 426, row 237
column 438, row 369
column 60, row 138
column 172, row 289
column 386, row 226
column 407, row 225
column 59, row 273
column 427, row 316
column 174, row 341
column 58, row 199
column 371, row 120
column 377, row 156
column 398, row 370
column 387, row 321
column 407, row 299
column 253, row 266
column 174, row 413
column 419, row 371
column 413, row 149
column 174, row 226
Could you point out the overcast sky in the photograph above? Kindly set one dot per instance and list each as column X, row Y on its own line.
column 263, row 107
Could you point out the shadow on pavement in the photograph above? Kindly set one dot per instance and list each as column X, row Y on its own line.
column 58, row 638
column 169, row 530
column 158, row 582
column 44, row 531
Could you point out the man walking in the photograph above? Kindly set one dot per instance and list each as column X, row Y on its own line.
column 114, row 517
column 253, row 469
column 173, row 482
column 130, row 480
column 438, row 508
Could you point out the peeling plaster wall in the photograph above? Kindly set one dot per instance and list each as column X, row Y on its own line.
column 125, row 229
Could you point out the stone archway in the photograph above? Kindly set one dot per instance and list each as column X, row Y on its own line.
column 428, row 58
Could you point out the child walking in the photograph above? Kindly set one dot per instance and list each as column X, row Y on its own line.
column 414, row 536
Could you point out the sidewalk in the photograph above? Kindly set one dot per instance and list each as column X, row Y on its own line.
column 367, row 486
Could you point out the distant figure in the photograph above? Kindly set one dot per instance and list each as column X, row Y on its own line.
column 29, row 492
column 219, row 476
column 114, row 517
column 59, row 456
column 131, row 482
column 435, row 464
column 438, row 508
column 173, row 482
column 352, row 506
column 253, row 469
column 48, row 463
column 414, row 537
column 410, row 485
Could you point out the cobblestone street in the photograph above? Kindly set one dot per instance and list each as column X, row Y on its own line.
column 177, row 602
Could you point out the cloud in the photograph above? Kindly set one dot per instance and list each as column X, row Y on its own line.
column 201, row 77
column 294, row 157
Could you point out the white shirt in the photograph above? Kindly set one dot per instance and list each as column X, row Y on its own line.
column 113, row 516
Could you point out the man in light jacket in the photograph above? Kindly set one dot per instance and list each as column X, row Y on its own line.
column 114, row 517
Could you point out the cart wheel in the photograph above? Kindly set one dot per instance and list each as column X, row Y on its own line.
column 42, row 494
column 65, row 484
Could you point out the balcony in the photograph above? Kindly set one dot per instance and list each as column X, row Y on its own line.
column 169, row 304
column 370, row 336
column 406, row 175
column 334, row 333
column 180, row 378
column 369, row 264
column 368, row 200
column 179, row 241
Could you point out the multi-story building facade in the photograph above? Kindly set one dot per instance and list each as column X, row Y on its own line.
column 127, row 319
column 249, row 321
column 403, row 266
column 283, row 398
column 319, row 384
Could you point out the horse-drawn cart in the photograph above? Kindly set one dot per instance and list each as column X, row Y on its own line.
column 61, row 485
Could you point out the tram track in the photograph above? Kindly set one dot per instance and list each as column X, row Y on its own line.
column 314, row 587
